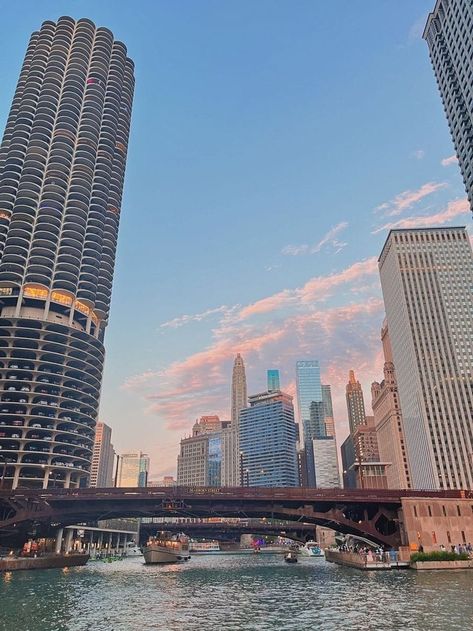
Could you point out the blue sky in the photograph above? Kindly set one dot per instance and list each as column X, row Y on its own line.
column 271, row 142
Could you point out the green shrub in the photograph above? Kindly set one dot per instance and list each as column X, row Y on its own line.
column 438, row 556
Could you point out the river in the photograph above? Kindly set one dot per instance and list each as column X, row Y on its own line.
column 233, row 593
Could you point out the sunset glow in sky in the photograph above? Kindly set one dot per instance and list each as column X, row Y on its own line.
column 273, row 146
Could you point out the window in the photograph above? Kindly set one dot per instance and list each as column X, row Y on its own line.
column 449, row 539
column 434, row 537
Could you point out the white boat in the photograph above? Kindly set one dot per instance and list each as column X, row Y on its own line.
column 204, row 547
column 132, row 550
column 311, row 549
column 166, row 548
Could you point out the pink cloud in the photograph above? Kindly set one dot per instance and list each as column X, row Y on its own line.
column 407, row 199
column 453, row 210
column 316, row 289
column 341, row 337
column 446, row 162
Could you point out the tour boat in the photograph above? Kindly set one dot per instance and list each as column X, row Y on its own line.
column 166, row 548
column 311, row 549
column 204, row 547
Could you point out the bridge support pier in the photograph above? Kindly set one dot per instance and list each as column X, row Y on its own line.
column 68, row 540
column 59, row 537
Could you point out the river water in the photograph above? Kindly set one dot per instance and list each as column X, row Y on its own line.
column 233, row 593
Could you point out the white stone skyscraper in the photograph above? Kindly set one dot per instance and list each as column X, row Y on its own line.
column 62, row 167
column 239, row 393
column 448, row 33
column 231, row 458
column 427, row 280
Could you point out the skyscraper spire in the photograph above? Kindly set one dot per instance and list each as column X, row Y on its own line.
column 239, row 394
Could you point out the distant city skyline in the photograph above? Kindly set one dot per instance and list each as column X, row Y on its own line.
column 268, row 123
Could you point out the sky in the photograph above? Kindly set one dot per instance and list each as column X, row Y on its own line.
column 273, row 145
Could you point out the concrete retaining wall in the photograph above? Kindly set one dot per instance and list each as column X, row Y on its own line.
column 442, row 565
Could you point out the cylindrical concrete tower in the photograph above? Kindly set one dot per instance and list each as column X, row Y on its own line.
column 62, row 166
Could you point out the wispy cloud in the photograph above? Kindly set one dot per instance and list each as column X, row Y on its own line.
column 418, row 154
column 176, row 323
column 453, row 210
column 317, row 289
column 407, row 199
column 329, row 239
column 446, row 162
column 417, row 28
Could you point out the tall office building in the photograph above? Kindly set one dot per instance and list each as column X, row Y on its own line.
column 448, row 35
column 62, row 166
column 133, row 469
column 328, row 410
column 273, row 380
column 103, row 457
column 231, row 460
column 389, row 422
column 199, row 462
column 239, row 394
column 268, row 441
column 326, row 462
column 355, row 402
column 362, row 465
column 427, row 280
column 311, row 410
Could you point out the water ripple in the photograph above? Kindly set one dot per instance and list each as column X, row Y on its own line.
column 234, row 593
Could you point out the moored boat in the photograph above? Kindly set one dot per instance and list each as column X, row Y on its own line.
column 204, row 547
column 132, row 550
column 311, row 549
column 166, row 547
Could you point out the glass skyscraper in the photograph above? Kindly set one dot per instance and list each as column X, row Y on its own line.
column 62, row 167
column 273, row 380
column 311, row 409
column 268, row 441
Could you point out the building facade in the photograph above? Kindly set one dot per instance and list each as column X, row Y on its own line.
column 326, row 462
column 268, row 441
column 62, row 167
column 355, row 402
column 133, row 469
column 199, row 462
column 389, row 422
column 311, row 410
column 274, row 382
column 239, row 398
column 448, row 36
column 426, row 277
column 328, row 410
column 103, row 457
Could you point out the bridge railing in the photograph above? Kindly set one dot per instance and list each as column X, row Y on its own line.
column 244, row 493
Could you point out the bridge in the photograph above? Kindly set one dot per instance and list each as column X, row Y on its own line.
column 372, row 513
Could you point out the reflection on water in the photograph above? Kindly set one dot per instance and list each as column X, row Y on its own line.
column 233, row 593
